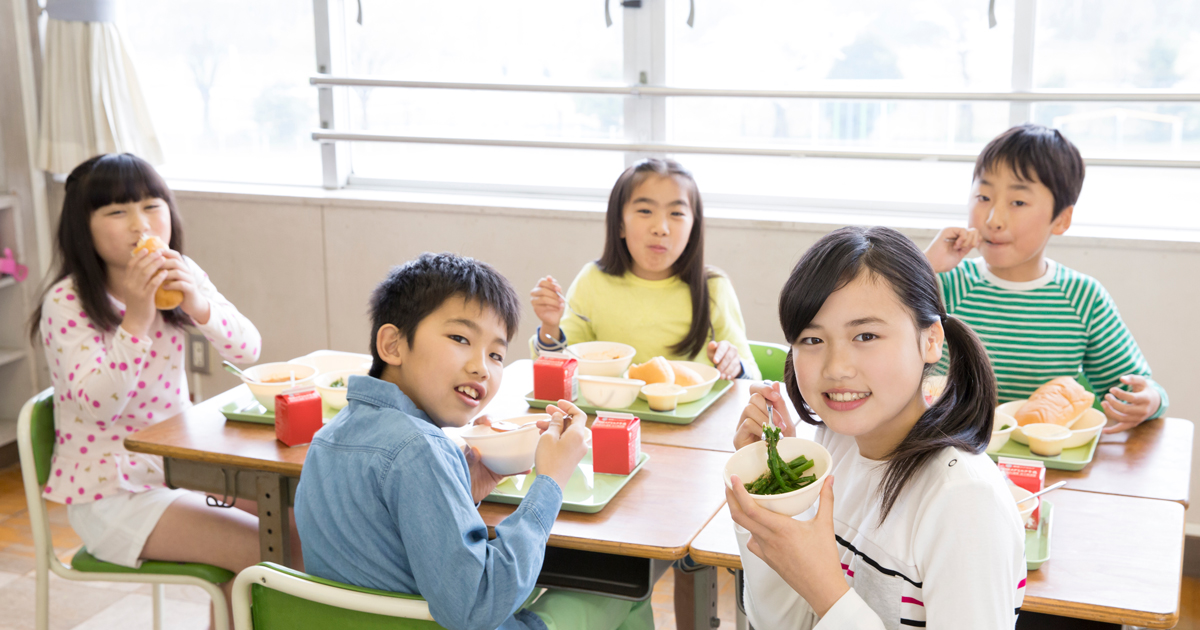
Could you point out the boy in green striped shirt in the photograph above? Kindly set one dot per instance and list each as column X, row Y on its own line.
column 1038, row 319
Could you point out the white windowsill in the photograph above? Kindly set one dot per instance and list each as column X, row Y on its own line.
column 798, row 215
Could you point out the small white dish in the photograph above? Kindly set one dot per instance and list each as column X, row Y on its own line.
column 335, row 397
column 610, row 392
column 663, row 396
column 1000, row 436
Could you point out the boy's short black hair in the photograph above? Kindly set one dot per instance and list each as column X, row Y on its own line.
column 419, row 287
column 1044, row 151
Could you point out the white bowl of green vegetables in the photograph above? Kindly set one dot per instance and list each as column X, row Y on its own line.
column 332, row 386
column 1002, row 430
column 787, row 493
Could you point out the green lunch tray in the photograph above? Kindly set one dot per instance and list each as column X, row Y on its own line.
column 1037, row 543
column 1070, row 459
column 248, row 409
column 683, row 414
column 586, row 492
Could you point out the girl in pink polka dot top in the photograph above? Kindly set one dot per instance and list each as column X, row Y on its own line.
column 117, row 363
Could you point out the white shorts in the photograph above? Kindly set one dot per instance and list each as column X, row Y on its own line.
column 114, row 529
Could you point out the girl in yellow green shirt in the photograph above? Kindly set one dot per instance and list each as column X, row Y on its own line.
column 650, row 288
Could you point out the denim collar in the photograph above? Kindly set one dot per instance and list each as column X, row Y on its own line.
column 380, row 393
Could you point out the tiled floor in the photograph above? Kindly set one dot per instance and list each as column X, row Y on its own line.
column 113, row 606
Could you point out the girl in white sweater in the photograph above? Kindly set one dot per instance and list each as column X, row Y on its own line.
column 924, row 532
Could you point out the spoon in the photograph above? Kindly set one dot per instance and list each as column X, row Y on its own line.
column 233, row 369
column 1044, row 491
column 568, row 305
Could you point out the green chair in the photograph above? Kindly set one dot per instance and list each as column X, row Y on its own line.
column 268, row 596
column 770, row 358
column 35, row 442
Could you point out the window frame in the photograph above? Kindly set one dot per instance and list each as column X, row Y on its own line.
column 647, row 108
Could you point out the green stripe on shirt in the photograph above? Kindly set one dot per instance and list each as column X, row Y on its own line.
column 1034, row 335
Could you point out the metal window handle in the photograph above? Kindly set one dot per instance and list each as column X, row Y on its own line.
column 692, row 14
column 629, row 4
column 991, row 13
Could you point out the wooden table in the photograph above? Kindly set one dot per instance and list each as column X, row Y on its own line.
column 1152, row 461
column 1113, row 559
column 202, row 451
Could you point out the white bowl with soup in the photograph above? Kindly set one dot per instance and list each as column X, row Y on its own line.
column 268, row 380
column 602, row 358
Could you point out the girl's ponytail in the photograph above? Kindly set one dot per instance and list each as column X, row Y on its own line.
column 962, row 416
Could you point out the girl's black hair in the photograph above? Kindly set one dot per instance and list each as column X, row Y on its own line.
column 100, row 181
column 690, row 268
column 962, row 417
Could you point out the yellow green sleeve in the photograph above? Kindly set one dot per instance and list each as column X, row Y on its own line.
column 728, row 324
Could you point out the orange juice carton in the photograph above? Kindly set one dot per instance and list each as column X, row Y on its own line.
column 616, row 443
column 554, row 377
column 1027, row 474
column 297, row 415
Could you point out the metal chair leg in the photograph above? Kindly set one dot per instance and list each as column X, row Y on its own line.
column 157, row 596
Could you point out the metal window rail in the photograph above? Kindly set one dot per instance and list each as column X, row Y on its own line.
column 330, row 137
column 1036, row 96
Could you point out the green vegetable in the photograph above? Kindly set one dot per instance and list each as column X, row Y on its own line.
column 781, row 476
column 341, row 382
column 1004, row 428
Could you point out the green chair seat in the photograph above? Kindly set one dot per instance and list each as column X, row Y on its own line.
column 273, row 609
column 86, row 562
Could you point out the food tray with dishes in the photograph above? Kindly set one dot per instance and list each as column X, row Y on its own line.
column 684, row 413
column 1037, row 541
column 326, row 371
column 1057, row 425
column 599, row 376
column 587, row 491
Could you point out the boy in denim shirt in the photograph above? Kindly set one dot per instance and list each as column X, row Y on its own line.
column 387, row 501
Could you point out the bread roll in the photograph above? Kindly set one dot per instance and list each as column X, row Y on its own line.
column 656, row 370
column 686, row 376
column 164, row 300
column 1061, row 401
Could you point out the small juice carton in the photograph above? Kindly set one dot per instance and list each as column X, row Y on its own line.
column 297, row 415
column 616, row 443
column 554, row 377
column 1027, row 474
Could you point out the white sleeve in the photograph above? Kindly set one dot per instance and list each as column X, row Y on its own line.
column 770, row 602
column 978, row 572
column 231, row 333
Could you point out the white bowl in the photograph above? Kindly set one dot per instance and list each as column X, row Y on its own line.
column 265, row 392
column 329, row 361
column 610, row 392
column 335, row 397
column 1088, row 426
column 693, row 393
column 751, row 461
column 1001, row 437
column 1026, row 508
column 662, row 396
column 1046, row 439
column 605, row 367
column 507, row 452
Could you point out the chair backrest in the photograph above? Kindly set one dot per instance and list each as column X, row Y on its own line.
column 268, row 596
column 35, row 443
column 770, row 358
column 41, row 433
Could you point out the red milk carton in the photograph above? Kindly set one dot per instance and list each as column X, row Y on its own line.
column 1028, row 474
column 554, row 377
column 297, row 416
column 616, row 443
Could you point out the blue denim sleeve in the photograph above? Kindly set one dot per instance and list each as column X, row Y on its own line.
column 469, row 581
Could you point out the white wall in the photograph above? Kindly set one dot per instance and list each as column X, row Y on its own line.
column 302, row 269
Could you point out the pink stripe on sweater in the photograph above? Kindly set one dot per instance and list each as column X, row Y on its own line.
column 909, row 600
column 1021, row 584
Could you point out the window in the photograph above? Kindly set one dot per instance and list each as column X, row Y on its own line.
column 226, row 84
column 550, row 109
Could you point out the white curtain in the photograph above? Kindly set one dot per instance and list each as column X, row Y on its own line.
column 91, row 100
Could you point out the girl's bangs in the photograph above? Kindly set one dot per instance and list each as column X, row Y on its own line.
column 124, row 178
